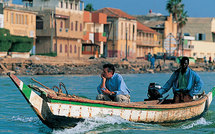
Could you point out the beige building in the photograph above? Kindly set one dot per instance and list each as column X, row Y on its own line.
column 201, row 41
column 121, row 34
column 148, row 41
column 59, row 27
column 203, row 49
column 20, row 21
column 170, row 27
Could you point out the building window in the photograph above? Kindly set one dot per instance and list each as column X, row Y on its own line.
column 186, row 34
column 22, row 19
column 200, row 36
column 70, row 5
column 55, row 47
column 26, row 19
column 70, row 48
column 76, row 26
column 66, row 5
column 76, row 6
column 71, row 26
column 16, row 19
column 61, row 24
column 75, row 49
column 80, row 26
column 12, row 18
column 60, row 48
column 61, row 4
column 32, row 19
column 39, row 22
column 7, row 16
column 133, row 31
column 19, row 18
column 66, row 48
column 121, row 30
column 129, row 32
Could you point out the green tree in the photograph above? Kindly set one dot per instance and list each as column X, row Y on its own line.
column 176, row 8
column 89, row 7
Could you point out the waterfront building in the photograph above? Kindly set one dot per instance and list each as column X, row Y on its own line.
column 59, row 27
column 121, row 32
column 147, row 40
column 201, row 41
column 94, row 36
column 20, row 21
column 165, row 26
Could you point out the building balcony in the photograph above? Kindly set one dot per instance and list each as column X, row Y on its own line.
column 100, row 37
column 150, row 43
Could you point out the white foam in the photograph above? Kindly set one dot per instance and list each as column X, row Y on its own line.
column 24, row 119
column 201, row 121
column 91, row 124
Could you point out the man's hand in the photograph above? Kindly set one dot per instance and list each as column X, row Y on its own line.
column 102, row 76
column 107, row 92
column 103, row 81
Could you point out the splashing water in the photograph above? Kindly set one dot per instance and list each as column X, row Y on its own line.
column 201, row 121
column 99, row 123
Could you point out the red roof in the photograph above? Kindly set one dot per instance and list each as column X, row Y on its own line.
column 113, row 12
column 144, row 28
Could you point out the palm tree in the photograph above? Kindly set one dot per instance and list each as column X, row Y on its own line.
column 177, row 9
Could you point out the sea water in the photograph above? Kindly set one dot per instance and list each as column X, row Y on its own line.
column 16, row 116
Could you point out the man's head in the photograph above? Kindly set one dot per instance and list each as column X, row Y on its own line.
column 184, row 62
column 108, row 70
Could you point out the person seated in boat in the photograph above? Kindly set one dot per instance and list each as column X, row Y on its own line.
column 112, row 86
column 185, row 83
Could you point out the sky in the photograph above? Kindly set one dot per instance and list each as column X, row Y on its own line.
column 194, row 8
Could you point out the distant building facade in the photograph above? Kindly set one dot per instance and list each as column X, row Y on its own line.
column 202, row 32
column 161, row 24
column 121, row 32
column 94, row 36
column 147, row 40
column 59, row 27
column 20, row 21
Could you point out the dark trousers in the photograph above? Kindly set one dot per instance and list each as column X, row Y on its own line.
column 180, row 97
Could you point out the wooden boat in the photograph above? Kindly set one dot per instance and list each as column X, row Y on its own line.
column 58, row 110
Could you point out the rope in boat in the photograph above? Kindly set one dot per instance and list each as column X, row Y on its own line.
column 61, row 84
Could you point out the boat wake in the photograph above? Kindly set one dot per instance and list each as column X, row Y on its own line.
column 97, row 124
column 201, row 121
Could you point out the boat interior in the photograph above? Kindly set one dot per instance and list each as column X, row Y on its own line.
column 47, row 94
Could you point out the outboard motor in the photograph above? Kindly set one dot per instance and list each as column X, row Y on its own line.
column 152, row 91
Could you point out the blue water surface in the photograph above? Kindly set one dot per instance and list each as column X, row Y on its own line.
column 16, row 116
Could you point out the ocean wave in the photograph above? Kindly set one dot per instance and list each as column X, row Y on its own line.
column 97, row 124
column 201, row 121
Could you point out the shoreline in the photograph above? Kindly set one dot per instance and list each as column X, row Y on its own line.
column 43, row 65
